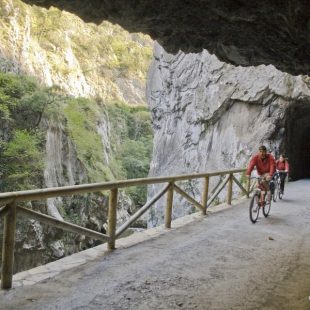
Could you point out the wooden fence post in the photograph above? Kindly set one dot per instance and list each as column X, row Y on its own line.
column 229, row 189
column 205, row 195
column 169, row 206
column 8, row 248
column 112, row 218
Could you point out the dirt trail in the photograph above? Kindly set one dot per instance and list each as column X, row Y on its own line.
column 221, row 262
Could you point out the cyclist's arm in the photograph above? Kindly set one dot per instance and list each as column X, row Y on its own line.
column 272, row 165
column 250, row 167
column 287, row 166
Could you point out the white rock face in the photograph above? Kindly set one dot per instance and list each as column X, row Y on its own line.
column 60, row 161
column 211, row 116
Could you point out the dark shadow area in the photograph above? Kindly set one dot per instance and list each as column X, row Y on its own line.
column 298, row 140
column 239, row 32
column 275, row 220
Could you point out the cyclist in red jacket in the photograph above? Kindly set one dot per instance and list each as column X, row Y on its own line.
column 265, row 166
column 282, row 167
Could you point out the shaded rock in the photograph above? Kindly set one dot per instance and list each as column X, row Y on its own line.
column 237, row 32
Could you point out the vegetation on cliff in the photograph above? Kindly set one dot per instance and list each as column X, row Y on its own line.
column 23, row 104
column 81, row 117
column 83, row 59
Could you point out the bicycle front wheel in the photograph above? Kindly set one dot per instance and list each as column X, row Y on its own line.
column 275, row 194
column 254, row 208
column 280, row 192
column 266, row 208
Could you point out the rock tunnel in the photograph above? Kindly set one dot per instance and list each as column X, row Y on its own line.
column 298, row 140
column 239, row 32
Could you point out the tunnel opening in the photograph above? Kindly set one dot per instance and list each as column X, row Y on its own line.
column 298, row 140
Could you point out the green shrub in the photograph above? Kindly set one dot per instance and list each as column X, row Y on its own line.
column 82, row 117
column 22, row 105
column 21, row 161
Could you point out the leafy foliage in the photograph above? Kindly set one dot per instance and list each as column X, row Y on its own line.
column 130, row 135
column 21, row 161
column 82, row 117
column 22, row 105
column 23, row 101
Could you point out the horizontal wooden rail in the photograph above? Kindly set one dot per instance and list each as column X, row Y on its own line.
column 11, row 208
column 95, row 187
column 46, row 219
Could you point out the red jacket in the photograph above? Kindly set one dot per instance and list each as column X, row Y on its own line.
column 282, row 165
column 262, row 166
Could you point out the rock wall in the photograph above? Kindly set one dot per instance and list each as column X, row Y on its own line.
column 238, row 32
column 61, row 164
column 37, row 243
column 209, row 116
column 104, row 63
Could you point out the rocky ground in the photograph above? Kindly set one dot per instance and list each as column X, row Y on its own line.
column 222, row 262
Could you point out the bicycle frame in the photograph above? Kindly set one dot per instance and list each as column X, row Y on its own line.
column 258, row 201
column 261, row 190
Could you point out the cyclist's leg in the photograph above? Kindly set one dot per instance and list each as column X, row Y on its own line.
column 261, row 186
column 282, row 178
column 267, row 187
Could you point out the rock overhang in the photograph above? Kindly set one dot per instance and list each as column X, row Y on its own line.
column 239, row 32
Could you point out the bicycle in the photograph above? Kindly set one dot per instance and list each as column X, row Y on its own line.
column 275, row 187
column 259, row 201
column 279, row 172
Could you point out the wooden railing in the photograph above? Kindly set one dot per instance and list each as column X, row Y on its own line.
column 11, row 208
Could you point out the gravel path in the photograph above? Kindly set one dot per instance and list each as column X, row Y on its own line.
column 222, row 262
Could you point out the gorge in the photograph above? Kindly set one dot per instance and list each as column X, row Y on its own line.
column 72, row 122
column 206, row 114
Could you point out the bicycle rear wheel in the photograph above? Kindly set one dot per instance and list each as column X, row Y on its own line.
column 280, row 195
column 266, row 208
column 279, row 190
column 254, row 208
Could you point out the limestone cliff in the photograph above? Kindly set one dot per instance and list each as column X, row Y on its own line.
column 83, row 59
column 81, row 140
column 209, row 116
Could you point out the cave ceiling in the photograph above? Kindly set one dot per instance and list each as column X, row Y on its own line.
column 240, row 32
